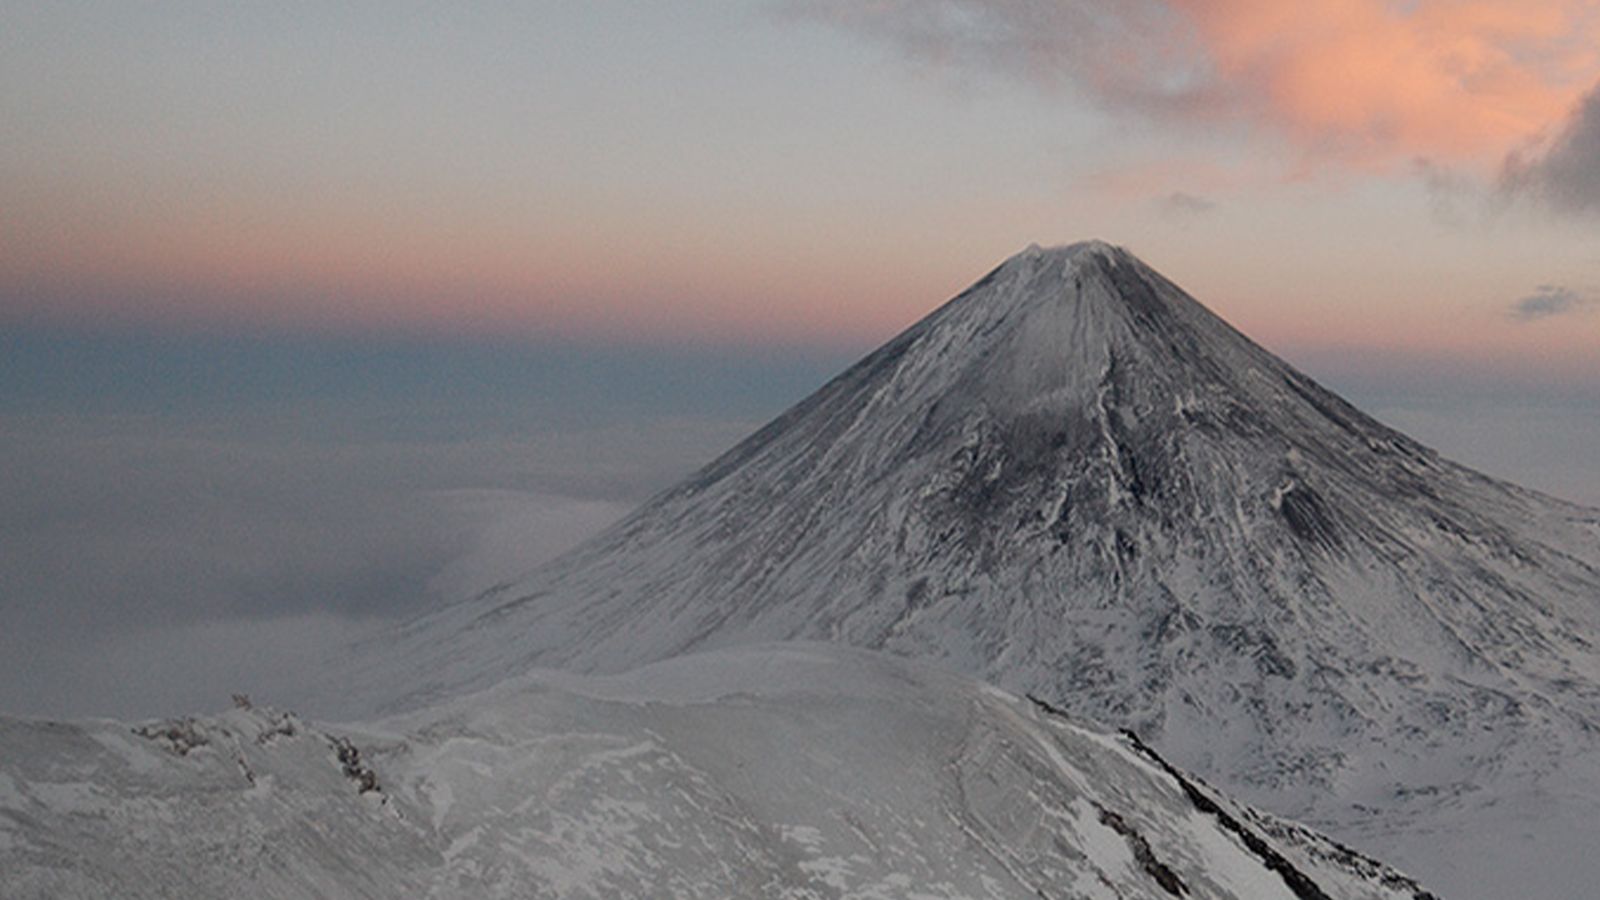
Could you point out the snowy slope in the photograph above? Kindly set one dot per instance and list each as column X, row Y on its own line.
column 788, row 771
column 1074, row 480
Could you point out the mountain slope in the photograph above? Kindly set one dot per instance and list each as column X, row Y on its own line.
column 1075, row 481
column 779, row 771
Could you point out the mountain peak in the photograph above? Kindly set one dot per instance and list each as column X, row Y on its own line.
column 1076, row 249
column 1062, row 260
column 1049, row 326
column 1074, row 480
column 1092, row 272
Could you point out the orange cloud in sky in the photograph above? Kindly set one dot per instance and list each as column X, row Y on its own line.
column 1376, row 81
column 1369, row 83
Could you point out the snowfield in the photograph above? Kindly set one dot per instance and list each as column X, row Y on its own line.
column 782, row 771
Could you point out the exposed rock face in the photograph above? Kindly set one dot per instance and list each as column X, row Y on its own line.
column 1076, row 481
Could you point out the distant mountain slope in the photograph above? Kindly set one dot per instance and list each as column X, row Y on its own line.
column 795, row 771
column 1074, row 480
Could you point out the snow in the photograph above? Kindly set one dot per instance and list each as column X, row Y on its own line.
column 829, row 772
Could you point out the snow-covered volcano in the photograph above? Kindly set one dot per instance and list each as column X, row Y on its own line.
column 1076, row 481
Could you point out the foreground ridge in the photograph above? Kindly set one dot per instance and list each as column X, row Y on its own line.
column 780, row 771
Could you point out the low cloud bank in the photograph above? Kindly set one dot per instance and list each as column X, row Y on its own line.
column 147, row 569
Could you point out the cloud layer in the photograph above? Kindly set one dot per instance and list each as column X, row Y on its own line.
column 1367, row 83
column 1185, row 205
column 1565, row 175
column 187, row 517
column 152, row 568
column 1551, row 300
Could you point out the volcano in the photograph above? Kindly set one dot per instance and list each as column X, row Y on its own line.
column 1075, row 481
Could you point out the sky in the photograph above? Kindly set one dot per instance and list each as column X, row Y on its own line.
column 313, row 314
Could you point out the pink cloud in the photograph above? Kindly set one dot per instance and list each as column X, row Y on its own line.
column 1375, row 81
column 1364, row 83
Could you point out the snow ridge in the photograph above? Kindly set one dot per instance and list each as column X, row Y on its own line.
column 785, row 772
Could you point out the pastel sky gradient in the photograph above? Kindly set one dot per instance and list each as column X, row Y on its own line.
column 315, row 314
column 1390, row 178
